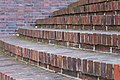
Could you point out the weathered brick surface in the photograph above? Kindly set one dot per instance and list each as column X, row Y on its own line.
column 91, row 40
column 86, row 24
column 10, row 69
column 85, row 15
column 76, row 63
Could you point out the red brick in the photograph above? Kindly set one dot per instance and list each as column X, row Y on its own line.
column 74, row 62
column 40, row 34
column 76, row 37
column 90, row 38
column 65, row 62
column 23, row 51
column 32, row 55
column 90, row 67
column 116, row 72
column 109, row 71
column 44, row 57
column 56, row 63
column 110, row 20
column 118, row 41
column 65, row 36
column 103, row 39
column 86, row 38
column 70, row 37
column 59, row 60
column 79, row 19
column 75, row 19
column 69, row 60
column 95, row 20
column 79, row 67
column 114, row 40
column 118, row 4
column 95, row 38
column 96, row 68
column 114, row 5
column 103, row 70
column 37, row 56
column 47, row 58
column 71, row 19
column 85, row 66
column 100, row 21
column 82, row 38
column 117, row 20
column 59, row 36
column 41, row 57
column 68, row 19
column 99, row 41
column 52, row 59
column 108, row 39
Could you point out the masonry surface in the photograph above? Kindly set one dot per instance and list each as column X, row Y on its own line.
column 81, row 40
column 19, row 13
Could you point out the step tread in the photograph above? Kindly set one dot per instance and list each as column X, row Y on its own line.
column 57, row 50
column 76, row 31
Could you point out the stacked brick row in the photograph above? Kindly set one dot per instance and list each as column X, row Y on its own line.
column 77, row 67
column 10, row 69
column 90, row 6
column 101, row 17
column 99, row 41
column 84, row 20
column 98, row 15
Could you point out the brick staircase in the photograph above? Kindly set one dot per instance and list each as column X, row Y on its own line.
column 82, row 40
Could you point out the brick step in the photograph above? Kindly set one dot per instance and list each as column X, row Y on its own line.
column 78, row 63
column 10, row 69
column 104, row 41
column 95, row 20
column 106, row 6
column 80, row 27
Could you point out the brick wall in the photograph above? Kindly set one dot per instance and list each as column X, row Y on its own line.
column 17, row 13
